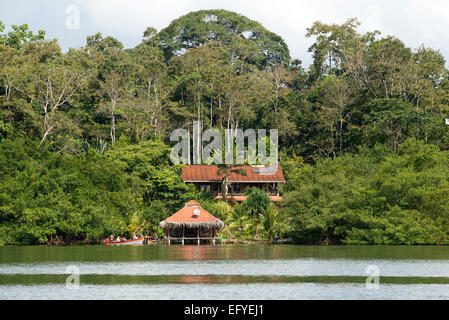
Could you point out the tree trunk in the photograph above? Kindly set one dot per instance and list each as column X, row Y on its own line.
column 341, row 136
column 224, row 189
column 113, row 121
column 112, row 128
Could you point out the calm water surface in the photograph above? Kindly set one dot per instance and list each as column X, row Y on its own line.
column 224, row 272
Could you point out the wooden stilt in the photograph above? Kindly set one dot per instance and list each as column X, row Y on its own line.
column 183, row 235
column 198, row 235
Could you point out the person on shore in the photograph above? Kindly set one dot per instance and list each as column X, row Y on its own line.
column 111, row 238
column 118, row 239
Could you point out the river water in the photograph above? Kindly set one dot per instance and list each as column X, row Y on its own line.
column 224, row 272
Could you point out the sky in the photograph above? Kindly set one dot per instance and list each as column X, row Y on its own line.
column 415, row 22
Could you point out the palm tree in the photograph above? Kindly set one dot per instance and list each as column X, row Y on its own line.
column 256, row 204
column 100, row 146
column 271, row 222
column 236, row 221
column 226, row 170
column 239, row 221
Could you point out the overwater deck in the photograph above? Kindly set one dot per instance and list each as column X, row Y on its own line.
column 183, row 240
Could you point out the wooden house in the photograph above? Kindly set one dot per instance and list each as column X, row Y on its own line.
column 206, row 178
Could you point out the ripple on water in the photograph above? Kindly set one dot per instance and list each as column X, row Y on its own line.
column 295, row 291
column 281, row 267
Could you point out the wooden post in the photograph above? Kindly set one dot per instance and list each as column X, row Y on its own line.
column 182, row 235
column 198, row 235
column 168, row 236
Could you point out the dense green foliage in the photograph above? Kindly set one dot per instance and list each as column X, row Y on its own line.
column 255, row 219
column 60, row 198
column 84, row 134
column 373, row 197
column 244, row 36
column 55, row 197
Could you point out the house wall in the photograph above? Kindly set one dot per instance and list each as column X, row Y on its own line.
column 214, row 189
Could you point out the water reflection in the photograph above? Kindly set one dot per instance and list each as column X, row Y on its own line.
column 14, row 254
column 111, row 279
column 257, row 271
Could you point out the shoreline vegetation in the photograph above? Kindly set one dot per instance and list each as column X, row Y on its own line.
column 85, row 148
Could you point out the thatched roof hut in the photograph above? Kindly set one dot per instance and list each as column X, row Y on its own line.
column 192, row 222
column 192, row 216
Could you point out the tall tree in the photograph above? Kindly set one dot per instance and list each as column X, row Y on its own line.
column 115, row 73
column 57, row 82
column 197, row 28
column 338, row 97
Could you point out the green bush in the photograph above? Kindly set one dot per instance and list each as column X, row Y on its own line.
column 373, row 198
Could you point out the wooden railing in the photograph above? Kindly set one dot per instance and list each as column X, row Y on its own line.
column 271, row 193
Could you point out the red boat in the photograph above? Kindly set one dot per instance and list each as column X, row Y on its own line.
column 132, row 242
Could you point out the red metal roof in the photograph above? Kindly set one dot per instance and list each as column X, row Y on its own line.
column 187, row 214
column 208, row 173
